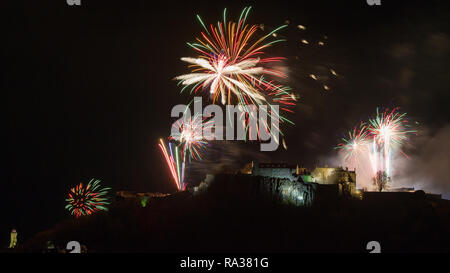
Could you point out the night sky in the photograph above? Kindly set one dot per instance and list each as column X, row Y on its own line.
column 87, row 91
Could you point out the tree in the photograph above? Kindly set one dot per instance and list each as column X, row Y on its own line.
column 381, row 180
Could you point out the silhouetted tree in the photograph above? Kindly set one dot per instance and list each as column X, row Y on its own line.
column 381, row 180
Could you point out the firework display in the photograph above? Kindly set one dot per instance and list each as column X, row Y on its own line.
column 375, row 142
column 355, row 146
column 231, row 66
column 226, row 126
column 191, row 140
column 190, row 135
column 87, row 199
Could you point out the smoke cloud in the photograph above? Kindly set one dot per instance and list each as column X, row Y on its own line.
column 224, row 156
column 428, row 166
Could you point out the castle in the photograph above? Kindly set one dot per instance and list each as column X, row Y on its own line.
column 328, row 181
column 320, row 175
column 288, row 184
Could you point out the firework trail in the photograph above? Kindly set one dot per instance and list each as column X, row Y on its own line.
column 192, row 134
column 86, row 200
column 232, row 68
column 316, row 59
column 176, row 166
column 377, row 141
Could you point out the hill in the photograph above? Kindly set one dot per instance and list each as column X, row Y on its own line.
column 228, row 218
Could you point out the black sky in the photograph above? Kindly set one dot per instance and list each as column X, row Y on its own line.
column 87, row 91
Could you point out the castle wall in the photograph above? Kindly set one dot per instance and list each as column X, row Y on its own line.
column 326, row 175
column 288, row 191
column 286, row 184
column 275, row 171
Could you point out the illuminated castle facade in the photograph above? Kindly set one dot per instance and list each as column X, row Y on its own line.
column 295, row 184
